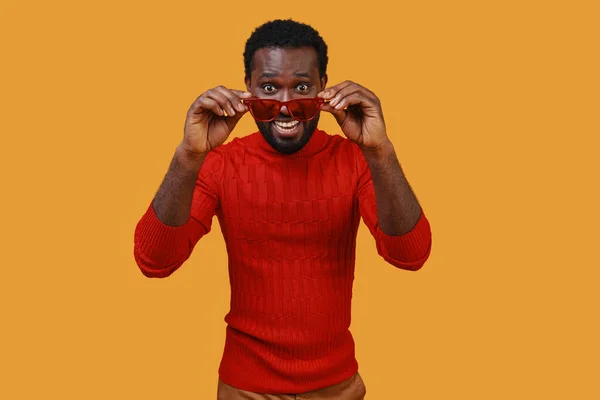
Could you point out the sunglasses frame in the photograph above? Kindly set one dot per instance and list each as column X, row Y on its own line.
column 318, row 100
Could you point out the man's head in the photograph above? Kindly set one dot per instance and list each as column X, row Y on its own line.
column 286, row 60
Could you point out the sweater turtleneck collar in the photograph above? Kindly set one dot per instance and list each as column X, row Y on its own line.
column 316, row 143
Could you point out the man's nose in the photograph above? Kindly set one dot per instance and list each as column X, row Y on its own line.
column 284, row 110
column 285, row 96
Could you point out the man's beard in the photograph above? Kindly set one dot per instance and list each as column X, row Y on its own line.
column 288, row 146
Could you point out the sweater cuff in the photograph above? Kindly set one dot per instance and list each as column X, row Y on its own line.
column 411, row 247
column 159, row 246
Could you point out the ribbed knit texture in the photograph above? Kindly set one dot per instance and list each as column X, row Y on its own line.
column 290, row 224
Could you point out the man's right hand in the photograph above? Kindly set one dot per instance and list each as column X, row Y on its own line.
column 211, row 119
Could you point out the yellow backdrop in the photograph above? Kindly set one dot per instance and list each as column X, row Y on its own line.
column 493, row 108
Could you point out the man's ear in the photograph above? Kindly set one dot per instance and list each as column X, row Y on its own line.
column 323, row 82
column 247, row 81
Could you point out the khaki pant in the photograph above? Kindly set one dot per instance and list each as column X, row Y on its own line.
column 350, row 389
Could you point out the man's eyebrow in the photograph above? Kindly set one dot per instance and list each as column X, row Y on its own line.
column 268, row 75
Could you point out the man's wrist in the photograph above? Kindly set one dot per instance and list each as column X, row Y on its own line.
column 380, row 153
column 188, row 157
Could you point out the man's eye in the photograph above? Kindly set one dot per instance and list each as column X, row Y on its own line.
column 302, row 87
column 268, row 88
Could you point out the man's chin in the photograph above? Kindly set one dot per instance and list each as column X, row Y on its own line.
column 287, row 144
column 287, row 137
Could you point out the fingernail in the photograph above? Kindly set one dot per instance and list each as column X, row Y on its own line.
column 240, row 106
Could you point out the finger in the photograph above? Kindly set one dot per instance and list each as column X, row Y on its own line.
column 233, row 97
column 332, row 91
column 357, row 98
column 241, row 93
column 204, row 103
column 223, row 101
column 347, row 91
column 233, row 120
column 339, row 115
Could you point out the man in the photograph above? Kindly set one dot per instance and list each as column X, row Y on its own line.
column 289, row 199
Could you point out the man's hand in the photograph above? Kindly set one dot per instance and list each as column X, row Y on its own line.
column 358, row 112
column 211, row 118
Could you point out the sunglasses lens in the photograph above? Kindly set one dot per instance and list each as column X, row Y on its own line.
column 264, row 110
column 303, row 109
column 300, row 109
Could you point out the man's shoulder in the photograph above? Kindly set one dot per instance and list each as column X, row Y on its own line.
column 340, row 143
column 230, row 149
column 340, row 139
column 238, row 143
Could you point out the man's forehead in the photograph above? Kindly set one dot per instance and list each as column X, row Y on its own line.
column 301, row 60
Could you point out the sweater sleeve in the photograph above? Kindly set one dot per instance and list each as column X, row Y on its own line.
column 160, row 249
column 408, row 251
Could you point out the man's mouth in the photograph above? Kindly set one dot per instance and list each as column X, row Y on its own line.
column 287, row 128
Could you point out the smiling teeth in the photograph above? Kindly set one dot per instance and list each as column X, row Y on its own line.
column 286, row 125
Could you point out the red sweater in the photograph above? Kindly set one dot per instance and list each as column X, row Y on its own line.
column 289, row 223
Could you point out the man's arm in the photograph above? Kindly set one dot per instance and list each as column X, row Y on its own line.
column 387, row 204
column 390, row 209
column 180, row 213
column 173, row 201
column 398, row 209
column 182, row 209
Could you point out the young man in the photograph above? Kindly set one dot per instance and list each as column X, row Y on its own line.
column 289, row 199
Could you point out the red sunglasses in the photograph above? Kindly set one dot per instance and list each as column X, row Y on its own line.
column 266, row 110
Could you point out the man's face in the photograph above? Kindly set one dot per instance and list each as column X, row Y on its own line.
column 286, row 74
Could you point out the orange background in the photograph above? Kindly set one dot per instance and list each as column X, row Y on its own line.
column 494, row 111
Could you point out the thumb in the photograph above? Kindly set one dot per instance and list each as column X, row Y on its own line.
column 233, row 120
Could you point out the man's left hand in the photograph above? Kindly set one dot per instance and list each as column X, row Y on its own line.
column 358, row 112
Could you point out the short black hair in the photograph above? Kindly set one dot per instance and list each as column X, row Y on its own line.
column 285, row 33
